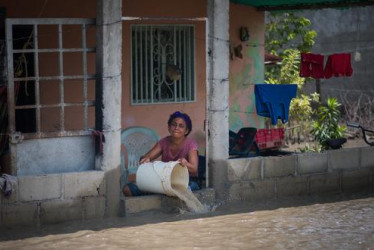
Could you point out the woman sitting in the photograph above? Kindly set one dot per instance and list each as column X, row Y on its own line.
column 175, row 147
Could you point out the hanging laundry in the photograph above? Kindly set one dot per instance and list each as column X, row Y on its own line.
column 273, row 100
column 338, row 65
column 311, row 65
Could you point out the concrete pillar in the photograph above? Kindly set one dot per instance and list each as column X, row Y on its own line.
column 218, row 86
column 108, row 95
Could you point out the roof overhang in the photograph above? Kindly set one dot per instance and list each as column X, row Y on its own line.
column 269, row 5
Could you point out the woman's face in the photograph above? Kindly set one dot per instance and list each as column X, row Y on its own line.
column 178, row 128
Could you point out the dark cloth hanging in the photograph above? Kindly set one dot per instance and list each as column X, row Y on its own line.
column 338, row 65
column 311, row 65
column 273, row 100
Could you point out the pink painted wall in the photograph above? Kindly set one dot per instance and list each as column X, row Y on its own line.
column 246, row 71
column 155, row 116
column 243, row 72
column 50, row 8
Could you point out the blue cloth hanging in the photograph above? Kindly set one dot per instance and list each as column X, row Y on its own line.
column 273, row 100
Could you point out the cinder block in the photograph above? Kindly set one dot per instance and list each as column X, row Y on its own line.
column 324, row 183
column 279, row 166
column 56, row 211
column 93, row 207
column 292, row 186
column 356, row 180
column 20, row 214
column 252, row 190
column 244, row 169
column 142, row 203
column 235, row 191
column 311, row 163
column 81, row 184
column 367, row 157
column 343, row 159
column 41, row 187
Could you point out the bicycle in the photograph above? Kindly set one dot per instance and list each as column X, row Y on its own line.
column 364, row 132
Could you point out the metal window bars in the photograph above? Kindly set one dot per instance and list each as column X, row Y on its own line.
column 162, row 64
column 35, row 53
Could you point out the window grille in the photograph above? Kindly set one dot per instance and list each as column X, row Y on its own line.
column 162, row 66
column 57, row 99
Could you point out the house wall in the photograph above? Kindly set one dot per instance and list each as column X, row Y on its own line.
column 246, row 71
column 155, row 116
column 347, row 30
column 33, row 157
column 88, row 194
column 50, row 9
column 55, row 180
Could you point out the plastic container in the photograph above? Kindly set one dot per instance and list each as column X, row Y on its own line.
column 162, row 177
column 270, row 138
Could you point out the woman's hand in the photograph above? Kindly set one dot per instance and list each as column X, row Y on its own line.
column 151, row 155
column 183, row 162
column 144, row 159
column 192, row 168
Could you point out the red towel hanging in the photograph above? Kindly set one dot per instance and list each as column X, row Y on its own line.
column 338, row 65
column 311, row 65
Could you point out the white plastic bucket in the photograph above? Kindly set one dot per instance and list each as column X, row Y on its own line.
column 160, row 177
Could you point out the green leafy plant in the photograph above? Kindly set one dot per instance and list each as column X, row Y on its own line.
column 309, row 148
column 288, row 30
column 286, row 35
column 327, row 126
column 288, row 72
column 301, row 111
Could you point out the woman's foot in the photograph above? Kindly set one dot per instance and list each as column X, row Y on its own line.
column 126, row 190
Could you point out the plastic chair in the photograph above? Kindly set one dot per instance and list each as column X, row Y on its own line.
column 243, row 143
column 136, row 141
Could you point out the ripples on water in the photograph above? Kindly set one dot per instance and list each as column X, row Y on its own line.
column 335, row 222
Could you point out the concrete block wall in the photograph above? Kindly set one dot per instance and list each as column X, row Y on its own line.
column 332, row 171
column 53, row 198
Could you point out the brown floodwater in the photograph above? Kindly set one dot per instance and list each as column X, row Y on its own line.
column 329, row 222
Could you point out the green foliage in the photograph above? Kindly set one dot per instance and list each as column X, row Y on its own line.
column 327, row 125
column 288, row 72
column 286, row 35
column 285, row 29
column 301, row 112
column 317, row 148
column 301, row 109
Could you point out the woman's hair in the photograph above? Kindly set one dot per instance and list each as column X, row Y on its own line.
column 184, row 116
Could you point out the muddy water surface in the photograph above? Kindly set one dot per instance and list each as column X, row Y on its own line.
column 334, row 222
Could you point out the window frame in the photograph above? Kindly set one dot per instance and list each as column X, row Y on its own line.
column 191, row 74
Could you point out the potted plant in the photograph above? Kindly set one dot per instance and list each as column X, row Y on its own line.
column 326, row 129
